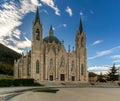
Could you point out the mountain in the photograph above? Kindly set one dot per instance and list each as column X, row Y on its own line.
column 7, row 57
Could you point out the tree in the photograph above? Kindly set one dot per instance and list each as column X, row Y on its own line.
column 113, row 73
column 101, row 78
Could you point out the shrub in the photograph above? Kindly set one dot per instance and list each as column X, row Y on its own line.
column 6, row 82
column 119, row 83
column 92, row 83
column 36, row 84
column 17, row 82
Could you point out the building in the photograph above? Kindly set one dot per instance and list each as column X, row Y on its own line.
column 92, row 77
column 49, row 61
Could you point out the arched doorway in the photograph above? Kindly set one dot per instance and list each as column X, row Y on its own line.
column 62, row 77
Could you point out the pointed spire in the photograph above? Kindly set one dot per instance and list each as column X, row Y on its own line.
column 51, row 32
column 69, row 48
column 80, row 26
column 37, row 18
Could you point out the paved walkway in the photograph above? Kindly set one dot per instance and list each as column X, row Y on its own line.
column 72, row 94
column 5, row 92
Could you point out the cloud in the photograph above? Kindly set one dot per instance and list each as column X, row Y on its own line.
column 105, row 52
column 64, row 25
column 116, row 57
column 99, row 69
column 51, row 4
column 69, row 11
column 11, row 15
column 17, row 45
column 45, row 11
column 97, row 42
column 116, row 61
column 81, row 13
column 35, row 2
column 53, row 28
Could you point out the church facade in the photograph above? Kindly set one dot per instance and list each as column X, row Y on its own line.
column 49, row 61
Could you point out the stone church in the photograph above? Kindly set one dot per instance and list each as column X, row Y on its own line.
column 49, row 61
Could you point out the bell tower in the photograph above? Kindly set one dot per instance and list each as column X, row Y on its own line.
column 37, row 49
column 37, row 33
column 81, row 52
column 80, row 38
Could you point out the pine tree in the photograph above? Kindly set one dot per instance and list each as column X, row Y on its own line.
column 113, row 73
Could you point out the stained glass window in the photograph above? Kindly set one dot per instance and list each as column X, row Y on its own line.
column 82, row 42
column 51, row 63
column 82, row 69
column 72, row 65
column 37, row 67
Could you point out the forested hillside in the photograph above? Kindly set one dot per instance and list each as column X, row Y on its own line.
column 7, row 57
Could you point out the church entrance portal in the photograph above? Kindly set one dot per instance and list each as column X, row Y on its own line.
column 73, row 78
column 51, row 77
column 62, row 77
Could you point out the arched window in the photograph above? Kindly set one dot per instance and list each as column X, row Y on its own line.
column 37, row 35
column 62, row 63
column 37, row 67
column 82, row 69
column 51, row 63
column 72, row 65
column 82, row 42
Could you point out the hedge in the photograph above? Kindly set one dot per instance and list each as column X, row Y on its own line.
column 119, row 83
column 17, row 82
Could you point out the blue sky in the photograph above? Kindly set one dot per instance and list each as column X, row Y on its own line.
column 101, row 23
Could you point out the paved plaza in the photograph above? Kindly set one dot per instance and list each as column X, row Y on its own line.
column 72, row 94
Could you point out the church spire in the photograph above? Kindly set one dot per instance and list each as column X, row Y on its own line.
column 51, row 32
column 80, row 26
column 37, row 18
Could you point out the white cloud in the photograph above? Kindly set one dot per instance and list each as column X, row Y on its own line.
column 64, row 25
column 98, row 68
column 51, row 4
column 45, row 11
column 11, row 15
column 116, row 57
column 53, row 28
column 101, row 69
column 97, row 42
column 105, row 52
column 35, row 2
column 16, row 33
column 69, row 11
column 81, row 13
column 116, row 61
column 24, row 44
